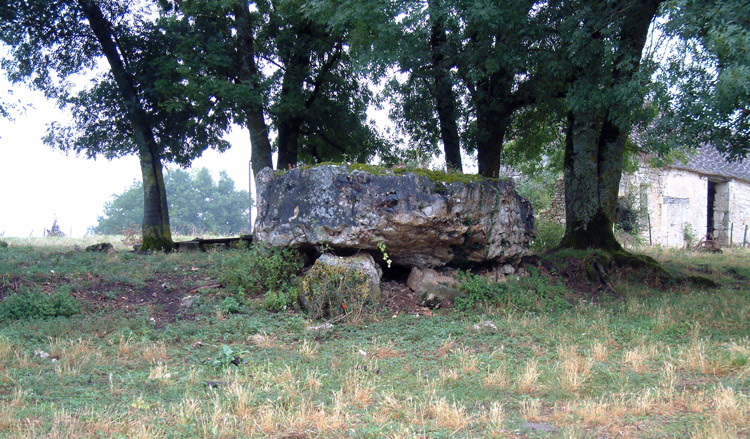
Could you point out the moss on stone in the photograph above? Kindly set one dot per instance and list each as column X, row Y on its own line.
column 437, row 177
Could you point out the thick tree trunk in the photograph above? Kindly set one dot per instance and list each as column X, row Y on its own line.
column 594, row 145
column 490, row 134
column 445, row 98
column 593, row 166
column 254, row 116
column 155, row 228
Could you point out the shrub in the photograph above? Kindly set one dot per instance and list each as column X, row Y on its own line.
column 548, row 234
column 534, row 293
column 262, row 271
column 34, row 304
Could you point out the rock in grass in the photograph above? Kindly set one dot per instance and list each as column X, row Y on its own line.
column 419, row 218
column 432, row 288
column 336, row 285
column 103, row 247
column 485, row 326
column 3, row 244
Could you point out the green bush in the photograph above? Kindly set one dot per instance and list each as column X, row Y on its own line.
column 548, row 234
column 35, row 304
column 270, row 272
column 535, row 293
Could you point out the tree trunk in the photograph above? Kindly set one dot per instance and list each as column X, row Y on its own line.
column 155, row 228
column 292, row 103
column 490, row 133
column 445, row 99
column 595, row 145
column 254, row 115
column 593, row 166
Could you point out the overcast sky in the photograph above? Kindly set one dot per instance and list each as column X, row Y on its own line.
column 39, row 183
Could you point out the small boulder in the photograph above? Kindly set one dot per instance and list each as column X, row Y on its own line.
column 432, row 287
column 103, row 247
column 336, row 285
column 187, row 301
column 485, row 326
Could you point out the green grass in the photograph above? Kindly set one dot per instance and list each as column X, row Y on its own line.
column 651, row 363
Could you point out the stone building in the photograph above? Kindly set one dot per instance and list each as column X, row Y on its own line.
column 683, row 203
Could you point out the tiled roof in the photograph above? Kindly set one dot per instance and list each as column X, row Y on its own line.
column 707, row 160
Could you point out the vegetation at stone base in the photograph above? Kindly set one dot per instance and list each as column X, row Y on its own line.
column 532, row 293
column 655, row 362
column 270, row 272
column 549, row 232
column 197, row 205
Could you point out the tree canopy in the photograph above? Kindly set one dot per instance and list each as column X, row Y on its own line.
column 198, row 204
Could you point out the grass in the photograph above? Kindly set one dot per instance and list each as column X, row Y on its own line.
column 650, row 363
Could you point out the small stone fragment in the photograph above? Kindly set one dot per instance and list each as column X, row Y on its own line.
column 187, row 301
column 319, row 328
column 537, row 426
column 485, row 326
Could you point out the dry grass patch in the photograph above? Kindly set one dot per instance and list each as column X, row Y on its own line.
column 308, row 349
column 531, row 409
column 599, row 352
column 263, row 340
column 497, row 378
column 467, row 361
column 159, row 373
column 448, row 415
column 357, row 389
column 495, row 419
column 155, row 353
column 387, row 350
column 635, row 359
column 573, row 369
column 528, row 381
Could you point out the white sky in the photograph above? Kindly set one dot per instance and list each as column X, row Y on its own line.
column 39, row 183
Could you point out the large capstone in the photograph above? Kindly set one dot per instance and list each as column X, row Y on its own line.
column 415, row 220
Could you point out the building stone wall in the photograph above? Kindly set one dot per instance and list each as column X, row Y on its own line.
column 673, row 205
column 739, row 209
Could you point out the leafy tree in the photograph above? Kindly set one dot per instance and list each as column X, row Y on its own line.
column 613, row 90
column 197, row 204
column 279, row 65
column 125, row 110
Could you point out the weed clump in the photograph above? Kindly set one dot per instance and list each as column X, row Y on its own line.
column 535, row 293
column 35, row 304
column 270, row 272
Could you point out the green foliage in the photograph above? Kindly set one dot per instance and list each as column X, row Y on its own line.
column 228, row 356
column 197, row 204
column 35, row 304
column 534, row 293
column 329, row 291
column 549, row 233
column 281, row 298
column 270, row 272
column 230, row 305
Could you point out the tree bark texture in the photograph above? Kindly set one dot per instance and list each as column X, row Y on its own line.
column 594, row 146
column 592, row 168
column 445, row 98
column 155, row 229
column 254, row 115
